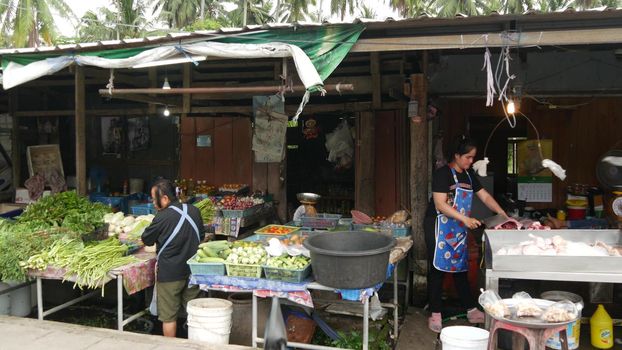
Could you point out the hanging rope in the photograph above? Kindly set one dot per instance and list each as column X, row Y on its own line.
column 490, row 82
column 110, row 84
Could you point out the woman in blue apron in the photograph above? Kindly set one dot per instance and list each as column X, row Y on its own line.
column 446, row 226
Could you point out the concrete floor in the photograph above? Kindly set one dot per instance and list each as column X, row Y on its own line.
column 17, row 333
column 415, row 335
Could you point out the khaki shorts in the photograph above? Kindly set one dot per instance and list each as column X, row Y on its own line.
column 173, row 298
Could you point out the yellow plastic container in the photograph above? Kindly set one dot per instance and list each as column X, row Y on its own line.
column 601, row 329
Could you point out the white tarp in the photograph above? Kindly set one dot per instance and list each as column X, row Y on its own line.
column 16, row 74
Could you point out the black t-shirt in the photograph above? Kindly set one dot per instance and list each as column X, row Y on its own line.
column 172, row 264
column 443, row 182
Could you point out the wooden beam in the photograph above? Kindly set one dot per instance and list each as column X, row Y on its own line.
column 16, row 160
column 467, row 41
column 80, row 122
column 187, row 82
column 365, row 177
column 289, row 109
column 419, row 165
column 153, row 82
column 217, row 90
column 376, row 80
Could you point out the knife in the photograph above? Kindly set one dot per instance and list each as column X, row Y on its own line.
column 495, row 220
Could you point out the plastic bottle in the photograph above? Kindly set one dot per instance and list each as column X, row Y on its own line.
column 601, row 328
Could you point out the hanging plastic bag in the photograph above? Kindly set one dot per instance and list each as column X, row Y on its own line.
column 525, row 305
column 340, row 146
column 275, row 337
column 493, row 304
column 561, row 311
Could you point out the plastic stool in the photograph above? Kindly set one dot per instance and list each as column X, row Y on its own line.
column 536, row 337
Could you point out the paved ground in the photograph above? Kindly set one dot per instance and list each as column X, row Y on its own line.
column 30, row 334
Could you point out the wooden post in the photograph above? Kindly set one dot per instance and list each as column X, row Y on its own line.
column 187, row 77
column 80, row 121
column 153, row 83
column 365, row 178
column 418, row 164
column 15, row 142
column 376, row 79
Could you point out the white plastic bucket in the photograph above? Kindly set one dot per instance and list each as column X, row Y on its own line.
column 209, row 320
column 573, row 330
column 464, row 338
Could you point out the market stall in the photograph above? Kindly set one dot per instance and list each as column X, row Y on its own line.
column 132, row 277
column 287, row 274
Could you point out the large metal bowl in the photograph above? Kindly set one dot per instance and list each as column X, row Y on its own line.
column 307, row 197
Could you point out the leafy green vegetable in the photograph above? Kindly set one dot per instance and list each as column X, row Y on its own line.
column 66, row 209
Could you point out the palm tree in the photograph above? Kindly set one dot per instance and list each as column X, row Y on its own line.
column 366, row 12
column 412, row 8
column 28, row 22
column 125, row 20
column 451, row 8
column 177, row 13
column 257, row 12
column 340, row 7
column 293, row 10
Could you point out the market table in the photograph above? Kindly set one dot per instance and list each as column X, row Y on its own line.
column 300, row 293
column 605, row 269
column 134, row 277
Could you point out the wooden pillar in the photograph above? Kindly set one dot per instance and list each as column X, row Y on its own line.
column 187, row 81
column 376, row 80
column 418, row 164
column 365, row 178
column 16, row 160
column 153, row 83
column 80, row 121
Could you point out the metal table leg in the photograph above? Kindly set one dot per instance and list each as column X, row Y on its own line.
column 39, row 299
column 396, row 303
column 254, row 325
column 119, row 302
column 366, row 324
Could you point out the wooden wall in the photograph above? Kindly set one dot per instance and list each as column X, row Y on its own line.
column 228, row 160
column 581, row 132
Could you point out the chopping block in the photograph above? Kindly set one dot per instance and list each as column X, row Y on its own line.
column 536, row 337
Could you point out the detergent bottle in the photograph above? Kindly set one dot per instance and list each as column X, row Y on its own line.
column 601, row 328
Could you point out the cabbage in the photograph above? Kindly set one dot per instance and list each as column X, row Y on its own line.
column 138, row 229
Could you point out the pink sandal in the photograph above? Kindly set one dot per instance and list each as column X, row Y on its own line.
column 475, row 316
column 435, row 322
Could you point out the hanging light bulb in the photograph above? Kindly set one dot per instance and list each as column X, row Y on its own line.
column 510, row 107
column 166, row 112
column 166, row 85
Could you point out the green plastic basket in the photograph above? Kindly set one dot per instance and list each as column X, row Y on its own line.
column 287, row 275
column 243, row 270
column 199, row 268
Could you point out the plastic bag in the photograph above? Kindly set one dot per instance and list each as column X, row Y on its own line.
column 526, row 306
column 275, row 336
column 340, row 146
column 561, row 311
column 493, row 304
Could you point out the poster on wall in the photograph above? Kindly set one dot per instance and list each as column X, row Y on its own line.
column 270, row 129
column 535, row 182
column 112, row 135
column 138, row 133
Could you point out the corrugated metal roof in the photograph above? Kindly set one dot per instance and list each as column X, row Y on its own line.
column 389, row 23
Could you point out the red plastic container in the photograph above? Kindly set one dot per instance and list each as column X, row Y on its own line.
column 576, row 213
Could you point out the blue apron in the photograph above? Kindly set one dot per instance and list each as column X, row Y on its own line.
column 450, row 253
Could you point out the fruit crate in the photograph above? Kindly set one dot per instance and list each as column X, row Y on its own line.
column 241, row 213
column 143, row 209
column 243, row 270
column 199, row 268
column 321, row 221
column 287, row 275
